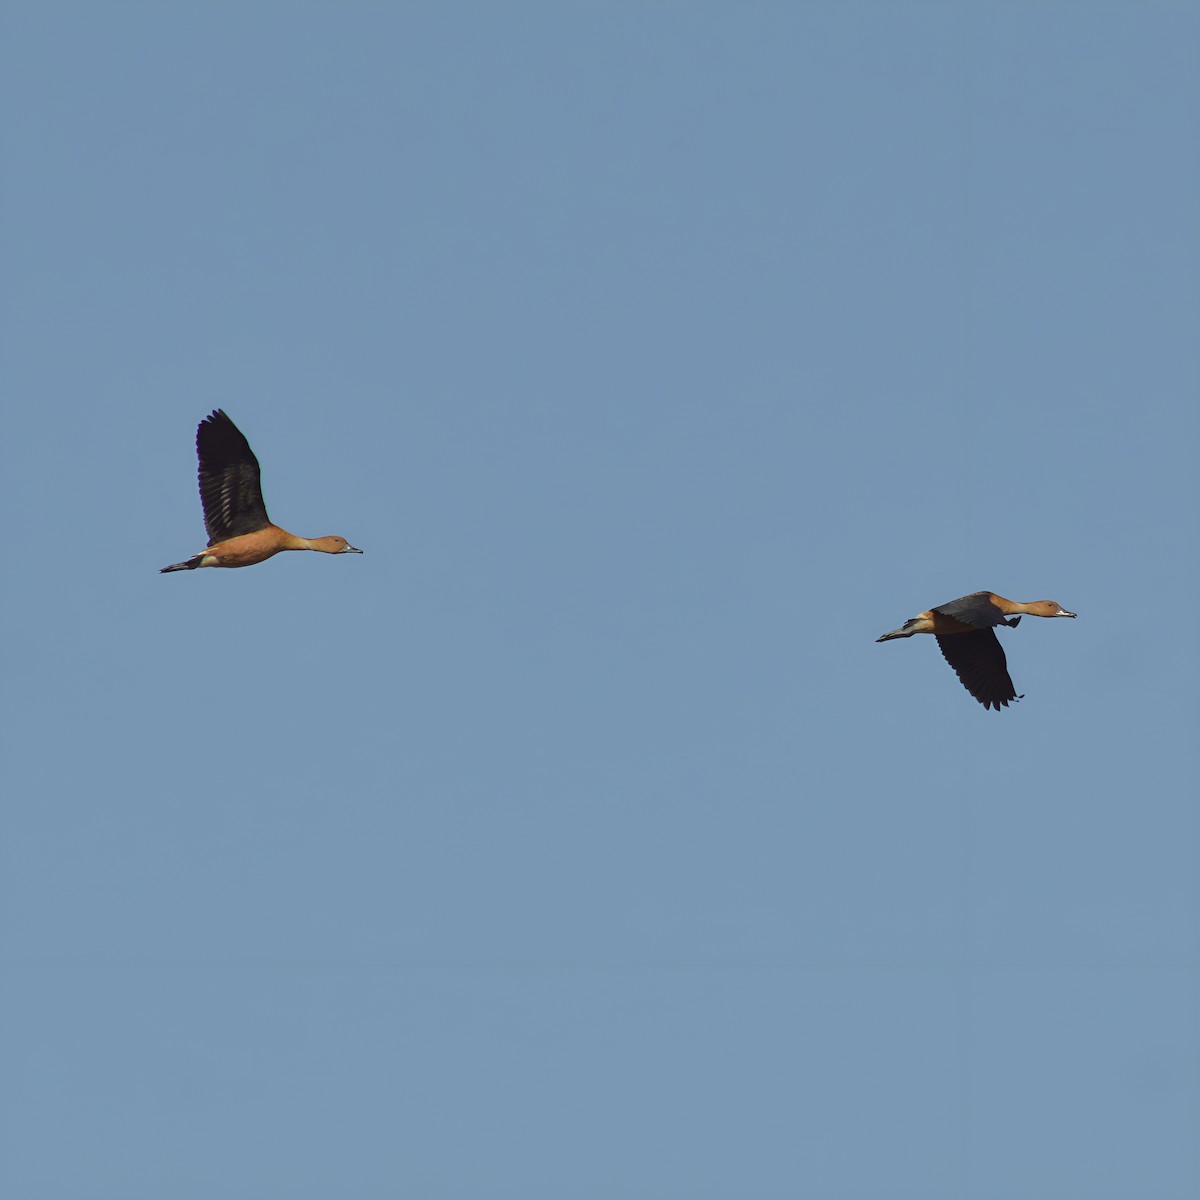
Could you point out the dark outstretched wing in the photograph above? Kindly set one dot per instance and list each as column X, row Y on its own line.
column 976, row 609
column 978, row 660
column 229, row 480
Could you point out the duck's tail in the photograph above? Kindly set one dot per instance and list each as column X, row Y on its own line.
column 190, row 565
column 905, row 630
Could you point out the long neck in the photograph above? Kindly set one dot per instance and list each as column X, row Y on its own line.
column 1009, row 607
column 289, row 541
column 1032, row 608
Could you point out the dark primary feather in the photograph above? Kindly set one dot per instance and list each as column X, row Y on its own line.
column 976, row 609
column 978, row 660
column 229, row 480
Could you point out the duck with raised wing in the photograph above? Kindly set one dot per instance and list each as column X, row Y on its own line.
column 240, row 533
column 965, row 631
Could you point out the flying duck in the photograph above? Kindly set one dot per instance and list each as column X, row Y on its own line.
column 240, row 533
column 965, row 631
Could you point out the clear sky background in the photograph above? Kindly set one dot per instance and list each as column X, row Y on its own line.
column 578, row 841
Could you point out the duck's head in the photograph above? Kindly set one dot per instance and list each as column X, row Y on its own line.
column 333, row 544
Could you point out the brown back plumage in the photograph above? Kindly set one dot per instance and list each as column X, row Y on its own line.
column 976, row 610
column 230, row 488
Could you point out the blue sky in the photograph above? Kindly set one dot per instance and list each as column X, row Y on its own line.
column 578, row 841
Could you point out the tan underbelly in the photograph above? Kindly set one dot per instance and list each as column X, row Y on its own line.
column 246, row 550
